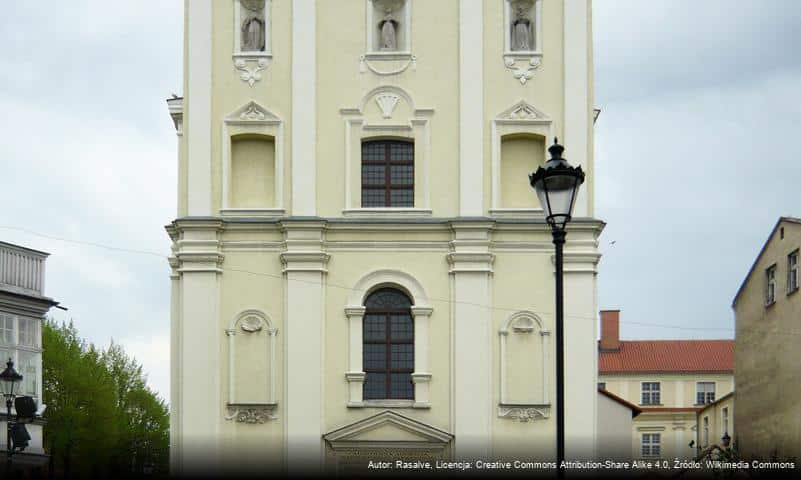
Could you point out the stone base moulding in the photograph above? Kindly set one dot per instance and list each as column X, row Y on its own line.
column 253, row 413
column 524, row 412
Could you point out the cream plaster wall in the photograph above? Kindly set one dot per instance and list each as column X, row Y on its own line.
column 766, row 356
column 299, row 271
column 614, row 429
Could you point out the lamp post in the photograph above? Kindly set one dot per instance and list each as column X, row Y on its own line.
column 556, row 184
column 8, row 380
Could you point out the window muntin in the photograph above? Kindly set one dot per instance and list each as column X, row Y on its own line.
column 28, row 332
column 28, row 366
column 792, row 272
column 704, row 392
column 724, row 414
column 651, row 445
column 388, row 351
column 770, row 285
column 6, row 329
column 650, row 393
column 387, row 173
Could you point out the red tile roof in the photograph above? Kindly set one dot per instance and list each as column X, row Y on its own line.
column 667, row 356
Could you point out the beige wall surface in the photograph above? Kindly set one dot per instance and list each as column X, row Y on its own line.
column 295, row 260
column 719, row 418
column 614, row 430
column 767, row 374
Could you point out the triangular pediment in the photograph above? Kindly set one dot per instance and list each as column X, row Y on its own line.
column 252, row 112
column 389, row 426
column 522, row 110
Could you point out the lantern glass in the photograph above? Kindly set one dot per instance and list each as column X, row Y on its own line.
column 9, row 379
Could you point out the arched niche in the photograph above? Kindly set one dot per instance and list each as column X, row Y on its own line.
column 251, row 367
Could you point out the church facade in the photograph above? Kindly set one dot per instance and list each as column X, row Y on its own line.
column 360, row 269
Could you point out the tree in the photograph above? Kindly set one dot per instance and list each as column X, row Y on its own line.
column 101, row 416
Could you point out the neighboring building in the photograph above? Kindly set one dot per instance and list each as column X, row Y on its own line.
column 767, row 311
column 670, row 380
column 715, row 420
column 352, row 197
column 23, row 307
column 615, row 424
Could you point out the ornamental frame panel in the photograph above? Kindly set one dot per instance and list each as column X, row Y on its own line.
column 250, row 322
column 524, row 322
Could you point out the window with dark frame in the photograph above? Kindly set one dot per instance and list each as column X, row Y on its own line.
column 704, row 392
column 387, row 173
column 651, row 445
column 770, row 285
column 792, row 272
column 650, row 393
column 388, row 346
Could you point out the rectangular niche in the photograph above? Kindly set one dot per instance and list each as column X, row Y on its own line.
column 521, row 154
column 523, row 30
column 398, row 13
column 252, row 28
column 252, row 171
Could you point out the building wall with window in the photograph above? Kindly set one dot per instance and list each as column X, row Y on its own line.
column 670, row 380
column 715, row 420
column 23, row 306
column 767, row 309
column 329, row 152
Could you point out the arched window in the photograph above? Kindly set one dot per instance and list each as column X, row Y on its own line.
column 387, row 173
column 388, row 336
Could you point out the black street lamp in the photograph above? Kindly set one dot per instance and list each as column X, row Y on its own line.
column 9, row 378
column 557, row 184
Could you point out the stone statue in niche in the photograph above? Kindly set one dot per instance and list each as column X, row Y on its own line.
column 253, row 34
column 389, row 40
column 521, row 31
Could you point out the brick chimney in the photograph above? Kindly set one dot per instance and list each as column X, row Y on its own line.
column 610, row 330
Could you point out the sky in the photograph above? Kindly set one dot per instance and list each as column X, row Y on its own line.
column 698, row 152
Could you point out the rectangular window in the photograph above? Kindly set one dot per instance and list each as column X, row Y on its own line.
column 651, row 444
column 770, row 285
column 706, row 431
column 650, row 393
column 704, row 392
column 387, row 174
column 28, row 363
column 602, row 385
column 28, row 332
column 6, row 329
column 792, row 272
column 724, row 414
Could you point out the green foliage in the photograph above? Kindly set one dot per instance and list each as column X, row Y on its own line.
column 101, row 417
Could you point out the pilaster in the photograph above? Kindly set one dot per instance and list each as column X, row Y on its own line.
column 471, row 270
column 304, row 107
column 471, row 107
column 197, row 266
column 304, row 271
column 421, row 376
column 581, row 259
column 198, row 105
